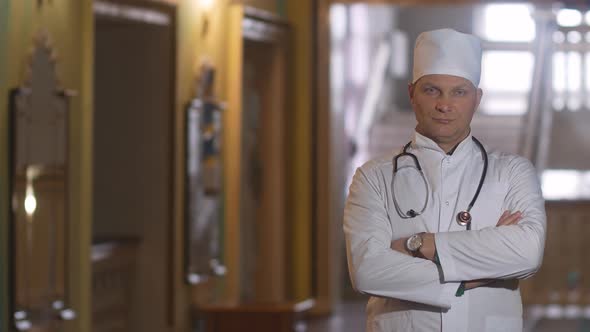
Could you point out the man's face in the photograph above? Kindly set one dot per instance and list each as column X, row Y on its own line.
column 444, row 106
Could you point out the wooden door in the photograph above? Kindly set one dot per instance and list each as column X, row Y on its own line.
column 263, row 198
column 133, row 180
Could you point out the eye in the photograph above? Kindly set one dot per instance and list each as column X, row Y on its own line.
column 430, row 90
column 460, row 92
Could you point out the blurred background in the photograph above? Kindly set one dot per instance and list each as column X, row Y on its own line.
column 182, row 165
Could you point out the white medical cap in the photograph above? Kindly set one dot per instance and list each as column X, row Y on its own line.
column 449, row 52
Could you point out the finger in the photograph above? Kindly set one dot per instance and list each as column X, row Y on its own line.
column 516, row 220
column 508, row 218
column 513, row 218
column 505, row 214
column 503, row 217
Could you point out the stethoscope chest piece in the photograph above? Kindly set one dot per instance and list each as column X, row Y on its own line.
column 464, row 218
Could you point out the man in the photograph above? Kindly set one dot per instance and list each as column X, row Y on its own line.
column 440, row 244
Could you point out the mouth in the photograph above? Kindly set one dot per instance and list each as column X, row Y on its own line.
column 442, row 121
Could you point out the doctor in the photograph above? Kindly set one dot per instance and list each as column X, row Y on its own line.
column 440, row 234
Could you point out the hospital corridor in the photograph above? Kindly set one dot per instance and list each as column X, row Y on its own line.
column 184, row 165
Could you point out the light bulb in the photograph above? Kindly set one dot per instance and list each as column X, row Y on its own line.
column 30, row 202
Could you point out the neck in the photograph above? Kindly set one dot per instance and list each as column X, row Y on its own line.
column 446, row 146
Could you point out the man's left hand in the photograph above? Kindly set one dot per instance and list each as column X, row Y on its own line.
column 400, row 246
column 428, row 246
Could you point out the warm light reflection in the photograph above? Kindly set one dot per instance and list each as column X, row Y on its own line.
column 30, row 201
column 206, row 4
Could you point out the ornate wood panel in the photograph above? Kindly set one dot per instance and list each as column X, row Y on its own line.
column 39, row 193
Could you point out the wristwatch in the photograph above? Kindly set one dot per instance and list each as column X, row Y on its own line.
column 414, row 243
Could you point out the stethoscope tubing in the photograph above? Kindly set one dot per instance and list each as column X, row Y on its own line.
column 464, row 217
column 411, row 213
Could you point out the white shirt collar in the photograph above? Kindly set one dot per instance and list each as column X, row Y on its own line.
column 420, row 141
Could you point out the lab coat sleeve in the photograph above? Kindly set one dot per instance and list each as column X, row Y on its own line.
column 376, row 269
column 504, row 252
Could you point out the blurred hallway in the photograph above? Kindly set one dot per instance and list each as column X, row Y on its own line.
column 182, row 165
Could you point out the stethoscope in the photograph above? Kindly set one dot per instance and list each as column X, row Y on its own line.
column 463, row 217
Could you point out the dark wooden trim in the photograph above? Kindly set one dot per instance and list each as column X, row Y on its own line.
column 263, row 317
column 160, row 7
column 323, row 151
column 261, row 26
column 263, row 15
column 315, row 111
column 174, row 191
column 11, row 228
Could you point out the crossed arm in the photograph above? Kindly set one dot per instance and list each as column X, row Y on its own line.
column 512, row 250
column 428, row 249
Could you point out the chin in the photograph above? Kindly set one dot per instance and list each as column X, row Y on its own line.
column 444, row 133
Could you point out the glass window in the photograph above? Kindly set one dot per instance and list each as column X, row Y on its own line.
column 566, row 184
column 569, row 17
column 559, row 72
column 507, row 70
column 506, row 81
column 338, row 22
column 508, row 22
column 507, row 67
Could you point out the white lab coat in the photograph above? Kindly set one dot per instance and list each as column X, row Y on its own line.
column 414, row 294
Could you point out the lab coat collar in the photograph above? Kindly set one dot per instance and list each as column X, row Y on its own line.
column 420, row 141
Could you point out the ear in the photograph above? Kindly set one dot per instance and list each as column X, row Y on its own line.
column 411, row 88
column 479, row 94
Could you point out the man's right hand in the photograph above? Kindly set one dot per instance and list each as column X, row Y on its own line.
column 477, row 283
column 506, row 219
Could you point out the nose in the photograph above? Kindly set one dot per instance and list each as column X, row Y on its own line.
column 443, row 105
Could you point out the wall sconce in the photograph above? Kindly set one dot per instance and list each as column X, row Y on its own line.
column 206, row 6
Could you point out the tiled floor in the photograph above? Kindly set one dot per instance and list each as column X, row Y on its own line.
column 350, row 317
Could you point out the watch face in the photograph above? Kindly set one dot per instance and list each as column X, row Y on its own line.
column 414, row 242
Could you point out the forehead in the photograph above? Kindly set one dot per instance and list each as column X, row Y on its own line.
column 441, row 80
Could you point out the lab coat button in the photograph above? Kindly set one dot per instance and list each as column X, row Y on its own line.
column 447, row 203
